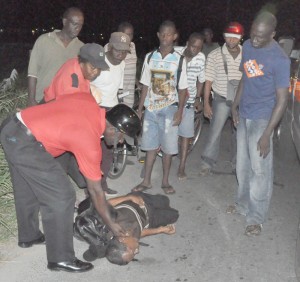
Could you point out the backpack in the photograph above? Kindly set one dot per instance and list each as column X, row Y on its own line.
column 179, row 70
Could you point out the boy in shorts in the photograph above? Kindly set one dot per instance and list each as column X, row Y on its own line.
column 163, row 103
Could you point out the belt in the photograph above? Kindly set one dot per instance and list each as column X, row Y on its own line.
column 187, row 105
column 21, row 125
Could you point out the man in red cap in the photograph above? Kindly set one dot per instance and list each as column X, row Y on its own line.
column 222, row 66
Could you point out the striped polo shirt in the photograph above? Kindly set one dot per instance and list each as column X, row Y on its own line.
column 215, row 72
column 195, row 71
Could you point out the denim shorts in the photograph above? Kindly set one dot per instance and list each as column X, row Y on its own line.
column 158, row 131
column 186, row 127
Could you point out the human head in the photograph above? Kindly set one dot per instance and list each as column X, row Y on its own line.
column 233, row 33
column 126, row 28
column 73, row 20
column 263, row 29
column 121, row 250
column 123, row 119
column 92, row 60
column 167, row 34
column 118, row 47
column 194, row 44
column 208, row 35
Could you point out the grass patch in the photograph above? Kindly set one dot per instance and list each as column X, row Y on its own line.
column 10, row 100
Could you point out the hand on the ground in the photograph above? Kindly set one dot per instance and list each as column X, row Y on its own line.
column 117, row 230
column 169, row 229
column 137, row 200
column 208, row 111
column 177, row 118
column 235, row 115
column 263, row 145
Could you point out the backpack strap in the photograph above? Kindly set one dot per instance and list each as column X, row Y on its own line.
column 179, row 70
column 150, row 56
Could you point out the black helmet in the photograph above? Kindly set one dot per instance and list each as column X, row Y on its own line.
column 124, row 119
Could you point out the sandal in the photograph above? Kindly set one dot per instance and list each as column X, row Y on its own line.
column 140, row 188
column 168, row 189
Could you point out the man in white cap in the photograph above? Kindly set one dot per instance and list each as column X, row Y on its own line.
column 109, row 83
column 222, row 65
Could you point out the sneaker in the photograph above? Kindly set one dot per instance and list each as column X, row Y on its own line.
column 253, row 230
column 204, row 171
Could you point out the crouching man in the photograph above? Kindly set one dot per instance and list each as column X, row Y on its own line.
column 31, row 139
column 138, row 213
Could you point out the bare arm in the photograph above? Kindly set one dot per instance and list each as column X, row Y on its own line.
column 31, row 91
column 142, row 100
column 236, row 102
column 197, row 104
column 182, row 95
column 133, row 198
column 168, row 229
column 263, row 144
column 98, row 198
column 207, row 108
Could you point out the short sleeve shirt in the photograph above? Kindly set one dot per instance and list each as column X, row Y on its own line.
column 265, row 70
column 109, row 82
column 160, row 75
column 68, row 80
column 215, row 71
column 47, row 56
column 73, row 123
column 195, row 71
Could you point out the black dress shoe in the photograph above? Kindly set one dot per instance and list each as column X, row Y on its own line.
column 109, row 191
column 70, row 266
column 29, row 244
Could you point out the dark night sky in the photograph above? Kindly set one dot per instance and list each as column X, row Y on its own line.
column 103, row 16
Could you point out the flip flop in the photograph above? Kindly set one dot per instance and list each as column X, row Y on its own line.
column 140, row 188
column 168, row 189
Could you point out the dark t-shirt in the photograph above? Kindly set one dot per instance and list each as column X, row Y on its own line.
column 264, row 70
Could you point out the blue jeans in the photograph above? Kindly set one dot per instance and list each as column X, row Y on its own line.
column 221, row 112
column 254, row 173
column 158, row 131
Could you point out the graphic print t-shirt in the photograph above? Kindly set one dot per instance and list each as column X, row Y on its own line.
column 265, row 70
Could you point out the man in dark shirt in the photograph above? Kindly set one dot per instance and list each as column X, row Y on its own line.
column 138, row 213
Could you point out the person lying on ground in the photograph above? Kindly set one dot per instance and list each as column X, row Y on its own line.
column 138, row 213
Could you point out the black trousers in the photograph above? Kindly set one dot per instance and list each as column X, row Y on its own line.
column 40, row 185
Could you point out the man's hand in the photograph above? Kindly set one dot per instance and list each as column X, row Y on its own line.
column 208, row 111
column 235, row 115
column 198, row 105
column 117, row 230
column 263, row 145
column 177, row 118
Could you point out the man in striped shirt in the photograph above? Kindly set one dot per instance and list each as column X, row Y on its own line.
column 216, row 82
column 130, row 65
column 196, row 76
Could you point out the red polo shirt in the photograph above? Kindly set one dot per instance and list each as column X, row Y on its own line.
column 68, row 80
column 73, row 123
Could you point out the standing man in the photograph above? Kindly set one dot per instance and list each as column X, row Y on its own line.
column 109, row 83
column 208, row 45
column 258, row 107
column 51, row 51
column 163, row 95
column 229, row 54
column 130, row 65
column 195, row 76
column 31, row 139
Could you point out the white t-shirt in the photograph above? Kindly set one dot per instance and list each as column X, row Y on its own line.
column 109, row 82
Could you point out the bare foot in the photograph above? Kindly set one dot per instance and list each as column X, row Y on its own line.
column 181, row 175
column 169, row 229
